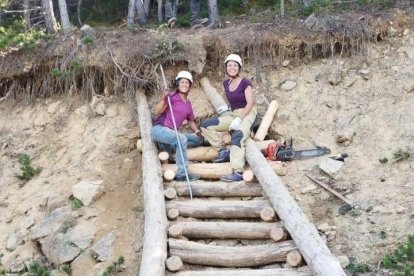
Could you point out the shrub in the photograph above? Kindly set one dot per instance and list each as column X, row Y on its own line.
column 402, row 260
column 36, row 269
column 27, row 171
column 401, row 154
column 355, row 268
column 75, row 204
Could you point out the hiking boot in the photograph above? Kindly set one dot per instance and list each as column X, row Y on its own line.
column 234, row 176
column 191, row 177
column 171, row 22
column 224, row 156
column 198, row 22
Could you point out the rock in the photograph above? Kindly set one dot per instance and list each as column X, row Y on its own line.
column 81, row 235
column 285, row 63
column 324, row 227
column 56, row 272
column 112, row 111
column 288, row 85
column 13, row 241
column 330, row 166
column 282, row 115
column 55, row 201
column 26, row 252
column 100, row 109
column 102, row 250
column 409, row 87
column 58, row 249
column 406, row 32
column 82, row 261
column 87, row 30
column 377, row 209
column 344, row 261
column 364, row 71
column 83, row 111
column 367, row 77
column 400, row 210
column 57, row 221
column 88, row 191
column 334, row 79
column 17, row 266
column 345, row 137
column 308, row 189
column 52, row 108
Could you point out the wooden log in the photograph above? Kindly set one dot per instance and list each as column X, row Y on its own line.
column 294, row 258
column 266, row 121
column 278, row 234
column 170, row 193
column 174, row 264
column 223, row 230
column 139, row 145
column 315, row 252
column 217, row 170
column 301, row 271
column 173, row 214
column 154, row 251
column 214, row 97
column 267, row 214
column 218, row 208
column 220, row 188
column 227, row 256
column 248, row 176
column 168, row 175
column 163, row 156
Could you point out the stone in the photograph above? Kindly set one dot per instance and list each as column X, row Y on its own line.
column 83, row 111
column 52, row 108
column 82, row 261
column 324, row 227
column 88, row 191
column 288, row 85
column 344, row 261
column 103, row 249
column 406, row 32
column 81, row 235
column 57, row 221
column 100, row 109
column 409, row 88
column 17, row 266
column 58, row 249
column 364, row 71
column 309, row 188
column 87, row 30
column 13, row 241
column 377, row 209
column 334, row 79
column 285, row 63
column 330, row 166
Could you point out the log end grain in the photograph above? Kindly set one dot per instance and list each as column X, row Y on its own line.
column 174, row 264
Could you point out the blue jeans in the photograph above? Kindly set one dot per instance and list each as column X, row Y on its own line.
column 168, row 141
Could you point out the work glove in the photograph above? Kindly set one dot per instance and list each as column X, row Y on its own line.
column 222, row 109
column 200, row 135
column 235, row 124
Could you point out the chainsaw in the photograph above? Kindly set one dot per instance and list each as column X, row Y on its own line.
column 285, row 152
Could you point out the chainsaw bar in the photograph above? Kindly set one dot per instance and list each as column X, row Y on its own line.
column 291, row 154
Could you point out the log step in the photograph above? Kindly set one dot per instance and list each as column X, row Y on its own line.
column 223, row 230
column 302, row 271
column 224, row 209
column 227, row 256
column 216, row 189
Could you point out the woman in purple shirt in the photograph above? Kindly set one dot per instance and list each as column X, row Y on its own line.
column 163, row 131
column 238, row 120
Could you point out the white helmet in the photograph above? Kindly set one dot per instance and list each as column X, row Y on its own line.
column 234, row 57
column 186, row 75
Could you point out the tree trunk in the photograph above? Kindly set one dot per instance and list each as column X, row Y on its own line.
column 304, row 233
column 226, row 189
column 159, row 11
column 131, row 13
column 26, row 14
column 219, row 208
column 213, row 12
column 226, row 256
column 78, row 8
column 154, row 252
column 223, row 230
column 302, row 271
column 142, row 15
column 50, row 20
column 282, row 8
column 64, row 18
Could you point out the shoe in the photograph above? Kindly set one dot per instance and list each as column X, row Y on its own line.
column 191, row 177
column 171, row 22
column 224, row 156
column 198, row 23
column 234, row 176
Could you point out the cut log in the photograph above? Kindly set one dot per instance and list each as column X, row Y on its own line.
column 278, row 234
column 174, row 264
column 168, row 175
column 173, row 214
column 314, row 250
column 301, row 271
column 154, row 251
column 203, row 189
column 170, row 193
column 248, row 176
column 267, row 214
column 223, row 230
column 294, row 258
column 219, row 209
column 163, row 156
column 266, row 121
column 217, row 170
column 226, row 256
column 139, row 145
column 214, row 97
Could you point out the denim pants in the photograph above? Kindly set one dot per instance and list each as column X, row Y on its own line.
column 195, row 9
column 170, row 9
column 168, row 141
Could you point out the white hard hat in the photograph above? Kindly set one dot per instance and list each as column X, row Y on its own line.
column 186, row 75
column 234, row 57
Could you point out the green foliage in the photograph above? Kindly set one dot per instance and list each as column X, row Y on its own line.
column 355, row 212
column 383, row 234
column 381, row 3
column 383, row 160
column 402, row 260
column 184, row 20
column 355, row 268
column 27, row 171
column 36, row 269
column 87, row 40
column 2, row 270
column 114, row 267
column 75, row 204
column 401, row 154
column 15, row 36
column 74, row 66
column 316, row 6
column 66, row 268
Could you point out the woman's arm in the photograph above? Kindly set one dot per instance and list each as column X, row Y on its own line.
column 193, row 126
column 249, row 94
column 162, row 105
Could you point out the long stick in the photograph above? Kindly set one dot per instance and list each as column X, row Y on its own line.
column 176, row 133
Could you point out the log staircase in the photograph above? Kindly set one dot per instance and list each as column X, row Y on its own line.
column 237, row 228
